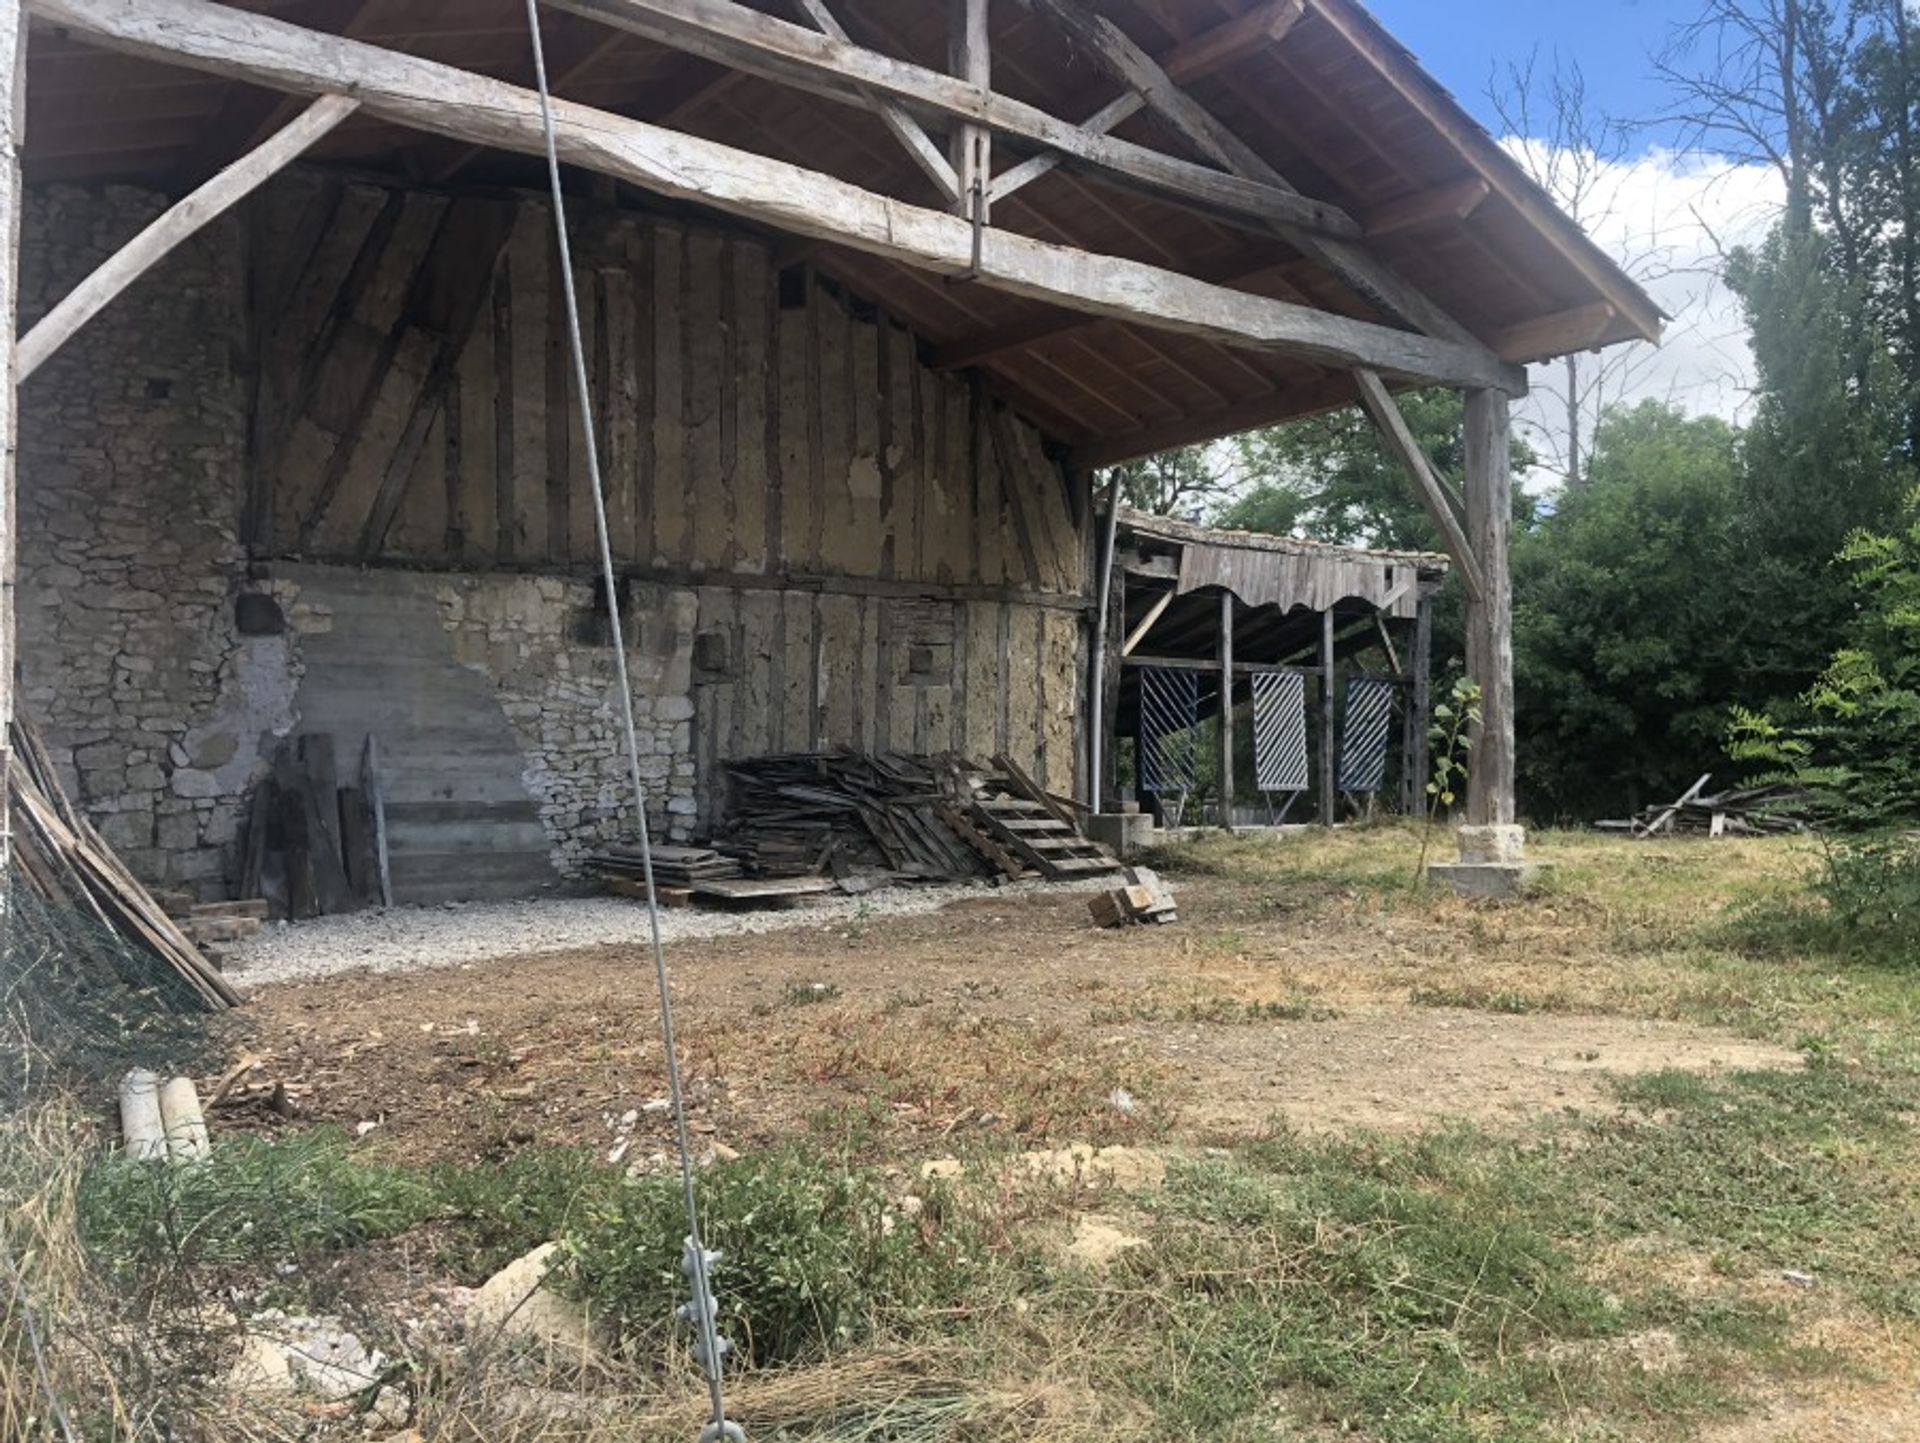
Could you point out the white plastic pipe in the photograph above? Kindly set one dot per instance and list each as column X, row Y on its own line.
column 143, row 1131
column 185, row 1123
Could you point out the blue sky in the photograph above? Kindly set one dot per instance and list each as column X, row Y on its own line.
column 1461, row 41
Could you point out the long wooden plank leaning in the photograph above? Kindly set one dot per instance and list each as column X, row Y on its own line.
column 451, row 102
column 156, row 242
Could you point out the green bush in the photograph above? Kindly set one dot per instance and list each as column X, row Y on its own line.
column 1871, row 886
column 252, row 1200
column 815, row 1255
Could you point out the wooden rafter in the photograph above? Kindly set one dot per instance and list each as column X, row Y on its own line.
column 1230, row 40
column 731, row 33
column 1580, row 329
column 1454, row 201
column 443, row 100
column 158, row 240
column 1361, row 270
column 904, row 127
column 1363, row 34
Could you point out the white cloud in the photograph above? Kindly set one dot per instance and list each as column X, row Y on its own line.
column 1668, row 217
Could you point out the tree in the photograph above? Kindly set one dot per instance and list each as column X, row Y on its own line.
column 1583, row 158
column 1187, row 483
column 1331, row 477
column 1630, row 635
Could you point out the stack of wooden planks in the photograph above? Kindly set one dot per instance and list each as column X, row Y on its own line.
column 1737, row 812
column 672, row 866
column 59, row 854
column 889, row 816
column 317, row 845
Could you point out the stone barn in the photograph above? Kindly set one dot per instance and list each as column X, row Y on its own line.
column 871, row 297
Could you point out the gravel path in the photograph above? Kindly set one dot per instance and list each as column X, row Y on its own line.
column 406, row 939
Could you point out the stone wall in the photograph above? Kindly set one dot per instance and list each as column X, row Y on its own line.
column 542, row 644
column 132, row 452
column 133, row 469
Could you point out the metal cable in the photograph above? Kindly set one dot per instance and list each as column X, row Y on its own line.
column 711, row 1350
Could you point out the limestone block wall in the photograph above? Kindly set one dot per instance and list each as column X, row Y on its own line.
column 132, row 447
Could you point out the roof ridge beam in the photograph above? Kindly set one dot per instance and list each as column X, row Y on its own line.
column 774, row 49
column 427, row 95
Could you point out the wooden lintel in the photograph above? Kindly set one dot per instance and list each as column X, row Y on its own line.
column 422, row 94
column 1580, row 329
column 985, row 345
column 1364, row 272
column 1399, row 437
column 926, row 154
column 1229, row 41
column 748, row 40
column 1154, row 613
column 1454, row 201
column 180, row 221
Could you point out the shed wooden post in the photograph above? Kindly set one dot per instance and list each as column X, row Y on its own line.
column 13, row 97
column 1328, row 808
column 1226, row 711
column 1490, row 620
column 1420, row 707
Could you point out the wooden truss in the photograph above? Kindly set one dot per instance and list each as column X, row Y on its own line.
column 1227, row 179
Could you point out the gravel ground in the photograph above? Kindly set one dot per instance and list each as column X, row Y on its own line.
column 405, row 939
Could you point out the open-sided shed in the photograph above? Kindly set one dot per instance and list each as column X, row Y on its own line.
column 869, row 291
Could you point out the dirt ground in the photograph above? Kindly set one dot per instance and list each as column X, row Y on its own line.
column 1004, row 1015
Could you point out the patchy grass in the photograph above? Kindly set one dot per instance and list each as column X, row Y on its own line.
column 1637, row 1274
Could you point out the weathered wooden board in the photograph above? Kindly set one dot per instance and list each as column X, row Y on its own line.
column 748, row 422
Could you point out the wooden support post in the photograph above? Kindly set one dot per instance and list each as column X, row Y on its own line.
column 1394, row 430
column 1104, row 633
column 1226, row 711
column 1420, row 706
column 970, row 57
column 425, row 95
column 1108, row 719
column 177, row 224
column 1490, row 801
column 13, row 111
column 1329, row 809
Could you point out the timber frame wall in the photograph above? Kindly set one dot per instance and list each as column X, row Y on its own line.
column 1415, row 341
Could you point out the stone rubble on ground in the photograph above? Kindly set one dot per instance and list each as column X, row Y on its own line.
column 516, row 1304
column 284, row 1353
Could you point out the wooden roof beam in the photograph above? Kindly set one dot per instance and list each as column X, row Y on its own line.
column 1455, row 201
column 1230, row 40
column 985, row 345
column 177, row 224
column 1580, row 329
column 443, row 100
column 764, row 45
column 1133, row 67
